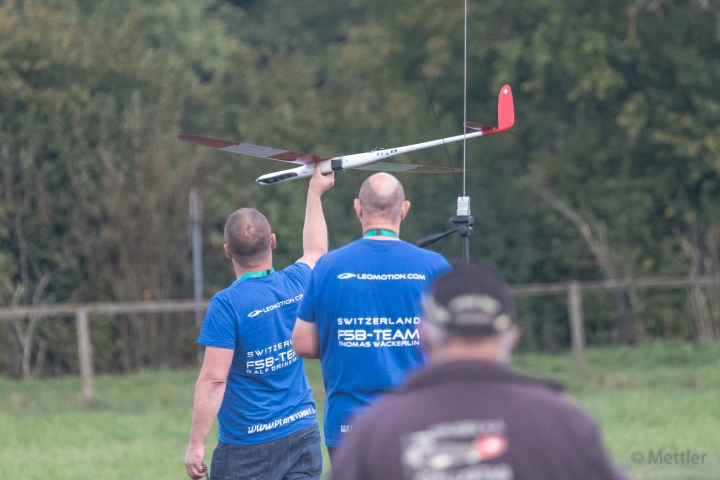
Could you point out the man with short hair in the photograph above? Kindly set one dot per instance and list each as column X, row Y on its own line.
column 250, row 377
column 361, row 310
column 467, row 416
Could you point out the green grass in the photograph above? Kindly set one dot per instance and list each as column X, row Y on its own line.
column 646, row 398
column 658, row 397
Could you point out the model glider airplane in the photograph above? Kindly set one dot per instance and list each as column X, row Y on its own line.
column 361, row 161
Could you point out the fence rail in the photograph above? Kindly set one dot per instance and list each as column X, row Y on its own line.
column 70, row 309
column 573, row 291
column 81, row 312
column 538, row 289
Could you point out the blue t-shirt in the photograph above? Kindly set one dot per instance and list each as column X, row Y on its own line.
column 267, row 394
column 365, row 300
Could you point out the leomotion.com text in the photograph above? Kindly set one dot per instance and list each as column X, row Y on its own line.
column 382, row 276
column 279, row 304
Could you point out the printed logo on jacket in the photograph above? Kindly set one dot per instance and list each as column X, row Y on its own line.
column 457, row 451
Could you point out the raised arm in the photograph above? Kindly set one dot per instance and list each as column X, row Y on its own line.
column 315, row 241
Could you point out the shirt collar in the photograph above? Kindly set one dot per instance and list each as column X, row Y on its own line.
column 472, row 370
column 380, row 232
column 261, row 273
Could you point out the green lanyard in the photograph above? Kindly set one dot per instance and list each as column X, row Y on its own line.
column 261, row 273
column 380, row 233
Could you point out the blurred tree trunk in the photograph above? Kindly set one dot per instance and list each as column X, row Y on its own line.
column 628, row 328
column 712, row 265
column 25, row 328
column 702, row 261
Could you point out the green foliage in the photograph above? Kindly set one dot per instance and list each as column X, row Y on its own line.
column 617, row 115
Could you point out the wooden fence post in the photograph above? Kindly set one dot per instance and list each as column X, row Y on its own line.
column 85, row 352
column 577, row 325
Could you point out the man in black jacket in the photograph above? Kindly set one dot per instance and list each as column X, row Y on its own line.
column 467, row 417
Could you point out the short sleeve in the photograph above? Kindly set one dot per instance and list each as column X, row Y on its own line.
column 219, row 327
column 306, row 309
column 438, row 266
column 298, row 273
column 442, row 266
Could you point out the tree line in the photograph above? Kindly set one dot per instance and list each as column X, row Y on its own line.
column 612, row 171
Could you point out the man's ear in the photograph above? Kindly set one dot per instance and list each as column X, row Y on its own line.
column 273, row 242
column 404, row 209
column 226, row 247
column 358, row 208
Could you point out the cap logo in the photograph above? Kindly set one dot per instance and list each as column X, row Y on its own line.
column 473, row 301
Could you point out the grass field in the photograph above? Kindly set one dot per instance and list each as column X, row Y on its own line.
column 659, row 397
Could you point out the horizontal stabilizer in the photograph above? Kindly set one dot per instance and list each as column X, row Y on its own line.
column 254, row 150
column 486, row 129
column 480, row 126
column 405, row 168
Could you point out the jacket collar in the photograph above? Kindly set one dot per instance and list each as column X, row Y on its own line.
column 472, row 371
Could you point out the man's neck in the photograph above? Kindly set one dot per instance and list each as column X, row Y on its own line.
column 240, row 270
column 488, row 351
column 376, row 228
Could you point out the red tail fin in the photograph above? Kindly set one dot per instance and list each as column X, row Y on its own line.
column 506, row 109
column 506, row 114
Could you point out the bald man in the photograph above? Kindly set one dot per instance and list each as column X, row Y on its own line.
column 361, row 310
column 250, row 377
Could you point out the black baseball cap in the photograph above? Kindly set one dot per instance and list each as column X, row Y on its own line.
column 470, row 299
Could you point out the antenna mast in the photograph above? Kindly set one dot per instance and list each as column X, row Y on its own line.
column 463, row 220
column 464, row 98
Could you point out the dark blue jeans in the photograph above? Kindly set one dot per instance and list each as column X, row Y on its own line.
column 295, row 456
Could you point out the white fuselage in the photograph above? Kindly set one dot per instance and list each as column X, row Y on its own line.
column 354, row 161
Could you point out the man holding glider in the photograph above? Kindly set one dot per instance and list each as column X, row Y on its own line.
column 361, row 310
column 250, row 377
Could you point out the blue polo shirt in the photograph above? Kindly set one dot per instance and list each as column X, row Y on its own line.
column 365, row 300
column 267, row 394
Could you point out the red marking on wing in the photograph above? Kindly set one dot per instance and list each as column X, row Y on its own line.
column 305, row 158
column 206, row 141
